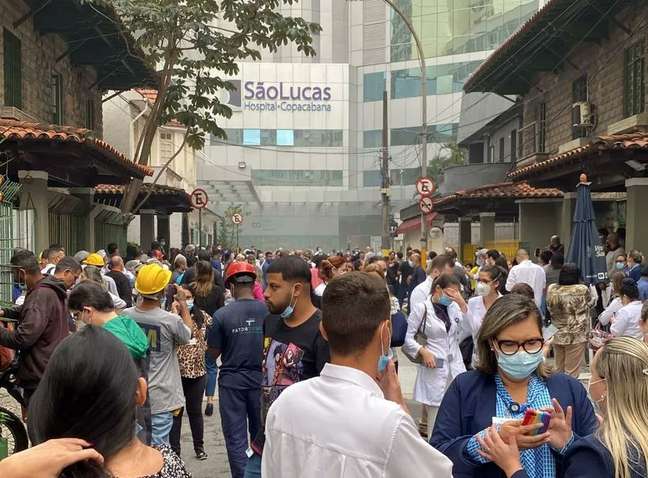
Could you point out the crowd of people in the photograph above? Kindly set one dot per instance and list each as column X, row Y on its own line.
column 303, row 348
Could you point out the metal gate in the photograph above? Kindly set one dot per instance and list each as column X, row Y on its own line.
column 12, row 222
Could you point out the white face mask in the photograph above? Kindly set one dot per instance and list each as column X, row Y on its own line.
column 483, row 289
column 190, row 303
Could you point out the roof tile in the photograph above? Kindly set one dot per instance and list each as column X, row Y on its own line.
column 635, row 141
column 23, row 130
column 507, row 190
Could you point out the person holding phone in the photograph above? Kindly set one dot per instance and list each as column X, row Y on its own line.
column 441, row 319
column 486, row 407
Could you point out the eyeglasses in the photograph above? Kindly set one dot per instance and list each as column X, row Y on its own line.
column 511, row 347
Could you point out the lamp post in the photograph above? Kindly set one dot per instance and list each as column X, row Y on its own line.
column 421, row 58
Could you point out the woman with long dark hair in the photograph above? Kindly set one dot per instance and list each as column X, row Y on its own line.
column 191, row 358
column 209, row 297
column 90, row 390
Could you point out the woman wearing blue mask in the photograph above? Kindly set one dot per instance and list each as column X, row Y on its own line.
column 441, row 319
column 511, row 378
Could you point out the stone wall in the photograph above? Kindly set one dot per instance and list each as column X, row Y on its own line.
column 603, row 64
column 39, row 54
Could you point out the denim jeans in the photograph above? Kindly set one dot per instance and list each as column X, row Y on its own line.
column 212, row 375
column 253, row 468
column 240, row 412
column 161, row 424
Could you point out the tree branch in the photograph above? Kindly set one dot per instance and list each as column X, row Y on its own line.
column 162, row 169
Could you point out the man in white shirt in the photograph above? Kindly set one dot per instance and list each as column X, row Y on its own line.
column 352, row 420
column 528, row 273
column 441, row 264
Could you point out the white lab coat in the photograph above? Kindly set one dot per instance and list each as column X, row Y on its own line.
column 431, row 383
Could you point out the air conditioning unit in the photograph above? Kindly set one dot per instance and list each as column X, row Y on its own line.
column 582, row 115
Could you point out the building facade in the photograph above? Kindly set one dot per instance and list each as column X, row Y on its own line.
column 55, row 62
column 314, row 156
column 584, row 111
column 125, row 116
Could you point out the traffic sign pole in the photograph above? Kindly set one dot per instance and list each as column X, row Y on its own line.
column 200, row 227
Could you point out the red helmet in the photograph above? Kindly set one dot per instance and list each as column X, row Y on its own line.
column 240, row 269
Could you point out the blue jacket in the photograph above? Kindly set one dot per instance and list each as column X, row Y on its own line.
column 469, row 406
column 589, row 458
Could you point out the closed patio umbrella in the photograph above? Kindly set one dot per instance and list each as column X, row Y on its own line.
column 585, row 248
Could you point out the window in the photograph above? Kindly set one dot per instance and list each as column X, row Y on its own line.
column 268, row 137
column 441, row 80
column 297, row 177
column 285, row 137
column 56, row 86
column 406, row 177
column 372, row 138
column 514, row 135
column 12, row 70
column 90, row 119
column 373, row 86
column 633, row 76
column 281, row 137
column 371, row 179
column 476, row 153
column 252, row 136
column 501, row 150
column 327, row 138
column 541, row 118
column 579, row 93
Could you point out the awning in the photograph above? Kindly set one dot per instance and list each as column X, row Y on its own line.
column 538, row 45
column 627, row 143
column 415, row 223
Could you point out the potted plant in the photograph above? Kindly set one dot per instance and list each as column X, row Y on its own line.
column 4, row 442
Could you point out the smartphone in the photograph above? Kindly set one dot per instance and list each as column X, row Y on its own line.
column 532, row 417
column 439, row 363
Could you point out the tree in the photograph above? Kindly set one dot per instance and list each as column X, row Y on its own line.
column 193, row 56
column 449, row 155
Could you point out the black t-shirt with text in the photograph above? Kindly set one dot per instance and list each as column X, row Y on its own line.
column 290, row 355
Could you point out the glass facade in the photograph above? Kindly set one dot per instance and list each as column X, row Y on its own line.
column 297, row 177
column 455, row 27
column 308, row 138
column 436, row 133
column 373, row 86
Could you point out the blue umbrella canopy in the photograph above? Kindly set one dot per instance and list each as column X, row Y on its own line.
column 585, row 248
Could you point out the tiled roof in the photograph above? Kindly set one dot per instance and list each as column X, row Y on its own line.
column 25, row 131
column 414, row 223
column 616, row 142
column 158, row 189
column 508, row 190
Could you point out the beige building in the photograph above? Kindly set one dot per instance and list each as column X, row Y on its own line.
column 125, row 117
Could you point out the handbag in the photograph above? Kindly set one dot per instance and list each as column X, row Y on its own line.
column 598, row 337
column 420, row 338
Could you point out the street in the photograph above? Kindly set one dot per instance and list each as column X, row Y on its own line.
column 216, row 466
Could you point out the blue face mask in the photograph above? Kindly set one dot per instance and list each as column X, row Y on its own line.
column 620, row 266
column 520, row 365
column 384, row 359
column 445, row 301
column 288, row 311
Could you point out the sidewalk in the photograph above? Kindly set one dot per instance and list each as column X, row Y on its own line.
column 216, row 466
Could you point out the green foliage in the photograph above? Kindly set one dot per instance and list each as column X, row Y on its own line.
column 449, row 155
column 194, row 55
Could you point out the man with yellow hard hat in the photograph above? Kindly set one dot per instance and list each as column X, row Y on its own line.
column 165, row 331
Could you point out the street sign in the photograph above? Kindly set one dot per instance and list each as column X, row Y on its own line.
column 425, row 186
column 426, row 205
column 199, row 198
column 237, row 219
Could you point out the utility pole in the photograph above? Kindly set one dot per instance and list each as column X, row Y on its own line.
column 384, row 169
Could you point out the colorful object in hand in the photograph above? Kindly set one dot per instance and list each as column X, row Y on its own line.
column 533, row 417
